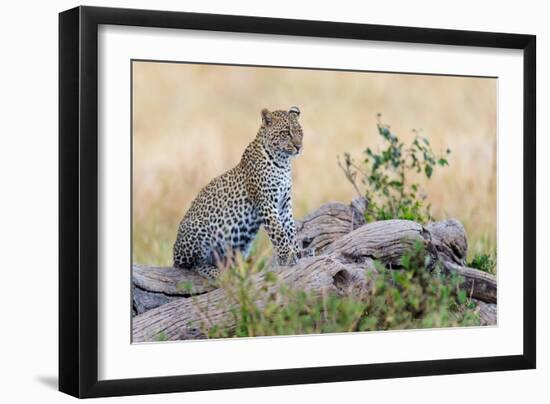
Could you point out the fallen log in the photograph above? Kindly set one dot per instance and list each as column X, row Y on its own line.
column 155, row 286
column 344, row 246
column 328, row 223
column 182, row 318
column 449, row 239
column 487, row 312
column 481, row 285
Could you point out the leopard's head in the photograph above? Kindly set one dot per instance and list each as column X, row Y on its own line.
column 281, row 132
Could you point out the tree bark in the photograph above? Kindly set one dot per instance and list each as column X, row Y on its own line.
column 487, row 312
column 177, row 304
column 481, row 285
column 155, row 286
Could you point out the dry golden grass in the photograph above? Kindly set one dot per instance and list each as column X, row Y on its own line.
column 192, row 122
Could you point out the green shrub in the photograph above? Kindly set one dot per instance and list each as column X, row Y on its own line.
column 483, row 262
column 386, row 175
column 407, row 298
column 419, row 296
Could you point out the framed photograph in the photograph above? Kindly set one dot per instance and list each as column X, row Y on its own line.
column 250, row 201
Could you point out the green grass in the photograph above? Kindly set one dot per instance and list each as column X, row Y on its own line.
column 483, row 262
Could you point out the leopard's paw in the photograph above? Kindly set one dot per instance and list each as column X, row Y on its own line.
column 288, row 259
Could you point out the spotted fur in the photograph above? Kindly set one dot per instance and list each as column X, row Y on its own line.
column 228, row 212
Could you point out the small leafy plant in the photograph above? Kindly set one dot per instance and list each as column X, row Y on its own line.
column 483, row 262
column 386, row 175
column 419, row 296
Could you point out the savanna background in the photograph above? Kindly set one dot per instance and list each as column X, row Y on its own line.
column 192, row 122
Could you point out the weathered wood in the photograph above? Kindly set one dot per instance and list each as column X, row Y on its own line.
column 449, row 239
column 481, row 285
column 487, row 312
column 170, row 281
column 143, row 300
column 345, row 248
column 328, row 223
column 155, row 286
column 386, row 241
column 182, row 318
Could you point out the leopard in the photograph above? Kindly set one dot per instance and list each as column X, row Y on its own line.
column 226, row 215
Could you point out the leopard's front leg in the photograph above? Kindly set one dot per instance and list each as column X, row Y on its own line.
column 283, row 240
column 289, row 224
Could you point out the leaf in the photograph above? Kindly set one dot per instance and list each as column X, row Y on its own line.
column 405, row 261
column 270, row 277
column 443, row 162
column 461, row 295
column 428, row 170
column 385, row 132
column 396, row 184
column 185, row 285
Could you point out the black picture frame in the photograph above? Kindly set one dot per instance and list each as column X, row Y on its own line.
column 78, row 200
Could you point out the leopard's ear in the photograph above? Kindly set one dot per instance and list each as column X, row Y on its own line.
column 295, row 111
column 266, row 117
